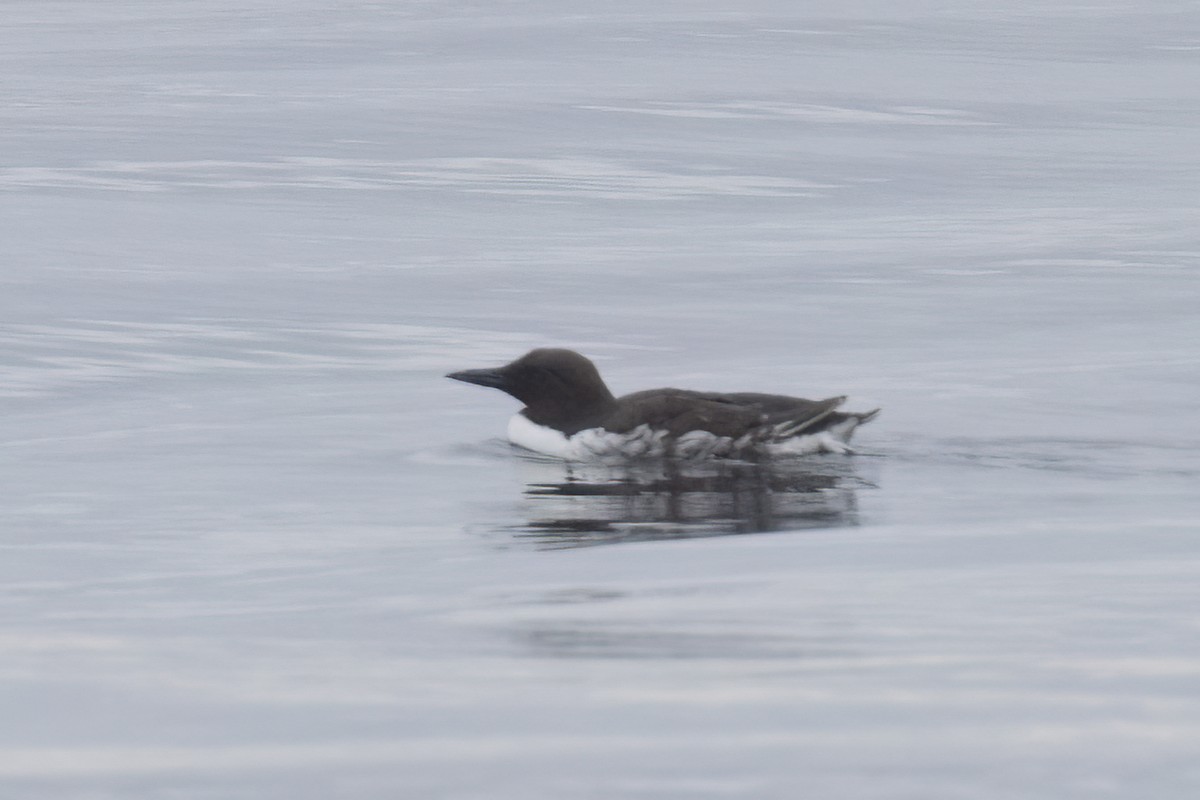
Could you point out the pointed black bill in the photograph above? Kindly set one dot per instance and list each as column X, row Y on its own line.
column 492, row 378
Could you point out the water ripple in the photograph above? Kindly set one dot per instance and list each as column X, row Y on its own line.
column 532, row 177
column 41, row 359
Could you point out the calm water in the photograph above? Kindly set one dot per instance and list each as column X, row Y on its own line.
column 255, row 546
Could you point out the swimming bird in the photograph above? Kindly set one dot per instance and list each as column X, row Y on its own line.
column 571, row 414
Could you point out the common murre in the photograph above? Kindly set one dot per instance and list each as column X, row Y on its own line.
column 570, row 413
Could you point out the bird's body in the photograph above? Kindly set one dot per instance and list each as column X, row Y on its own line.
column 570, row 413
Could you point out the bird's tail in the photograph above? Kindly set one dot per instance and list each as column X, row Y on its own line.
column 866, row 416
column 817, row 414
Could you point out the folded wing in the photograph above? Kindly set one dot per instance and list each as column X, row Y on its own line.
column 764, row 417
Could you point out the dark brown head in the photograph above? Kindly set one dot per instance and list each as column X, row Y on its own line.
column 559, row 388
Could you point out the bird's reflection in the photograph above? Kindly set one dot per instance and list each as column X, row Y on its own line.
column 598, row 504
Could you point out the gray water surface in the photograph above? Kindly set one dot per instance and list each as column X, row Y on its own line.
column 255, row 546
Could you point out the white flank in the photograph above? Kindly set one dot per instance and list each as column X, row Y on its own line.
column 596, row 444
column 538, row 438
column 589, row 445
